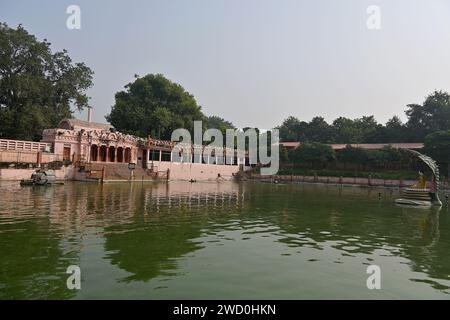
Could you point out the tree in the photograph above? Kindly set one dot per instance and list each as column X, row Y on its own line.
column 153, row 105
column 346, row 131
column 437, row 146
column 319, row 131
column 290, row 129
column 395, row 131
column 349, row 154
column 314, row 154
column 37, row 87
column 215, row 122
column 432, row 115
column 368, row 127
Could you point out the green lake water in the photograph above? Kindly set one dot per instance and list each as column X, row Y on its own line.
column 219, row 241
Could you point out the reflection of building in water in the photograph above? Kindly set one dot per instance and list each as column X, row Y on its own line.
column 146, row 229
column 128, row 216
column 148, row 243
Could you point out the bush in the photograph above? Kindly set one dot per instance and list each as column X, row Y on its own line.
column 314, row 154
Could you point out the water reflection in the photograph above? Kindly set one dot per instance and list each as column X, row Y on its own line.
column 212, row 232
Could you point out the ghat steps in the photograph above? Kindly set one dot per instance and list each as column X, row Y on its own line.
column 118, row 171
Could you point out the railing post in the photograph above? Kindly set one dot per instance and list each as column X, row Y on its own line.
column 39, row 158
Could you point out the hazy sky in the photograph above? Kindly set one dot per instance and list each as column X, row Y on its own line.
column 255, row 62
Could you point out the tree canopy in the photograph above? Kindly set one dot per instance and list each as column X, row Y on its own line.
column 315, row 154
column 153, row 105
column 37, row 87
column 437, row 146
column 219, row 123
column 432, row 115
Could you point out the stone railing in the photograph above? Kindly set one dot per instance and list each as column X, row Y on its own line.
column 18, row 145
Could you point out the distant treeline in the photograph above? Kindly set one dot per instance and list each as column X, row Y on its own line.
column 433, row 115
column 319, row 156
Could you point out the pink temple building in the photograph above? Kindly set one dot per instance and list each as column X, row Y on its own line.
column 86, row 149
column 77, row 140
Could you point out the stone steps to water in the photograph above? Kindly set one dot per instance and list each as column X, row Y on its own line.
column 116, row 171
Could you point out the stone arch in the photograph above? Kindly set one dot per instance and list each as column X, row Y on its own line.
column 120, row 154
column 94, row 152
column 112, row 154
column 128, row 155
column 103, row 153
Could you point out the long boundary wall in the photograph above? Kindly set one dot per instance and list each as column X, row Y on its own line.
column 65, row 173
column 196, row 171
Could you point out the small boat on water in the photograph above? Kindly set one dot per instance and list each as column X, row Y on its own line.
column 41, row 178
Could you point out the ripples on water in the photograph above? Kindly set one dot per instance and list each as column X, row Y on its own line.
column 218, row 240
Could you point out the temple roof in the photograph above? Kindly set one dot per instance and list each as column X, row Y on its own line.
column 74, row 124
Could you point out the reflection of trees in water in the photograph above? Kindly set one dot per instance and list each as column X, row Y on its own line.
column 149, row 227
column 163, row 226
column 149, row 251
column 429, row 253
column 33, row 264
column 33, row 260
column 317, row 216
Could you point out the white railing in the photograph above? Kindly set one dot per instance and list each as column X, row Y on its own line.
column 18, row 145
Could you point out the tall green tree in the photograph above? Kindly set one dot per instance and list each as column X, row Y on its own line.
column 368, row 127
column 215, row 122
column 346, row 131
column 319, row 131
column 432, row 115
column 395, row 131
column 37, row 87
column 153, row 105
column 290, row 129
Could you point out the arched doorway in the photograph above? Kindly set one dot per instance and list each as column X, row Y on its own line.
column 103, row 153
column 128, row 155
column 112, row 154
column 119, row 154
column 94, row 152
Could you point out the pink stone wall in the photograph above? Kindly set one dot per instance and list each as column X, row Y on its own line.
column 27, row 157
column 65, row 173
column 196, row 171
column 336, row 180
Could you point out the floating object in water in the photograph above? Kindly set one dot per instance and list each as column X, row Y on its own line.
column 41, row 178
